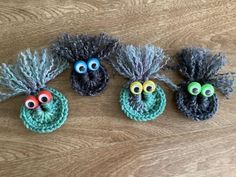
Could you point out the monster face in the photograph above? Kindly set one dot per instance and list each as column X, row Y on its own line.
column 197, row 101
column 85, row 52
column 89, row 78
column 45, row 111
column 142, row 101
column 196, row 96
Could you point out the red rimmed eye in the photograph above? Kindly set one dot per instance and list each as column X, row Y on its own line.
column 31, row 102
column 44, row 96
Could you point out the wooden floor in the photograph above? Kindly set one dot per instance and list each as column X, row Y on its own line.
column 98, row 140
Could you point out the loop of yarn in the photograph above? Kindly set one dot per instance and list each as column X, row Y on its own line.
column 153, row 105
column 48, row 118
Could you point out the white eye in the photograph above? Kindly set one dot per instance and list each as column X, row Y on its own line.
column 93, row 64
column 136, row 88
column 44, row 96
column 80, row 67
column 149, row 86
column 31, row 102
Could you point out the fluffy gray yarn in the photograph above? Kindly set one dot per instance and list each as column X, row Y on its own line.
column 140, row 63
column 83, row 47
column 31, row 72
column 200, row 64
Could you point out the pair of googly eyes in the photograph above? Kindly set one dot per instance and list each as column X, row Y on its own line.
column 82, row 67
column 207, row 90
column 32, row 102
column 137, row 87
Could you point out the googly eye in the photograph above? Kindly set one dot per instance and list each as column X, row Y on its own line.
column 80, row 67
column 31, row 102
column 136, row 88
column 149, row 86
column 207, row 90
column 44, row 96
column 93, row 64
column 194, row 88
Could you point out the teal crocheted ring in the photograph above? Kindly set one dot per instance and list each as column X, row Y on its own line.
column 51, row 117
column 153, row 105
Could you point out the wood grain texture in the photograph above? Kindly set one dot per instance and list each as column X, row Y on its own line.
column 97, row 140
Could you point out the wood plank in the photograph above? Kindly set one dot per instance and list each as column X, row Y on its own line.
column 205, row 153
column 192, row 26
column 97, row 139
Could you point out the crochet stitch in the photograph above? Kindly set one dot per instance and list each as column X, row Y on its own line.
column 140, row 98
column 78, row 50
column 153, row 105
column 200, row 66
column 51, row 117
column 29, row 76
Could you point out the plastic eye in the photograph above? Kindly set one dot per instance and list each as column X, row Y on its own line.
column 93, row 64
column 44, row 96
column 207, row 90
column 194, row 88
column 31, row 102
column 149, row 86
column 136, row 88
column 80, row 67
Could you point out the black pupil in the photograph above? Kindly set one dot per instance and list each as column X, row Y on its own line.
column 94, row 65
column 31, row 104
column 208, row 92
column 136, row 89
column 149, row 88
column 195, row 90
column 81, row 68
column 44, row 99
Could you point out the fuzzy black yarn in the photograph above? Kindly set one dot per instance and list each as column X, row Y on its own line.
column 90, row 83
column 84, row 47
column 196, row 107
column 200, row 65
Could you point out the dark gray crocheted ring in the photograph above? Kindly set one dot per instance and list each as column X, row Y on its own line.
column 196, row 96
column 88, row 77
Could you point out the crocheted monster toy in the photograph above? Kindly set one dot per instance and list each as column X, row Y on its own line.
column 140, row 98
column 196, row 96
column 45, row 109
column 88, row 77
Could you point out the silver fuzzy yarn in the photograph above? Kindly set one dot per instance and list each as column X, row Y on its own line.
column 31, row 72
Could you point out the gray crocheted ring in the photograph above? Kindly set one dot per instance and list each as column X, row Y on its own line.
column 195, row 107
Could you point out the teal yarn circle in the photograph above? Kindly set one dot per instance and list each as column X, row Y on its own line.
column 51, row 117
column 154, row 105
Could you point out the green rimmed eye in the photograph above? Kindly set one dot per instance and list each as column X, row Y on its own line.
column 194, row 88
column 207, row 90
